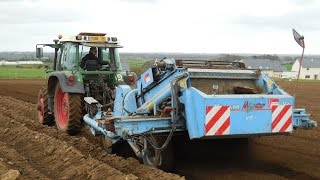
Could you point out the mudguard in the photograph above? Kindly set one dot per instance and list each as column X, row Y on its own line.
column 61, row 77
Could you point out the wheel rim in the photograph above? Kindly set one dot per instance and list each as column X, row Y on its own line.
column 41, row 108
column 62, row 108
column 152, row 156
column 159, row 158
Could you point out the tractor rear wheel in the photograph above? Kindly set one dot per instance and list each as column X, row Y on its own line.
column 43, row 113
column 162, row 159
column 67, row 111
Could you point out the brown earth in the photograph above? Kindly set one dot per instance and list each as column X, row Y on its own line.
column 41, row 152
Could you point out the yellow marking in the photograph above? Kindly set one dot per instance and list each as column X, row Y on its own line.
column 183, row 83
column 270, row 84
column 150, row 106
column 97, row 38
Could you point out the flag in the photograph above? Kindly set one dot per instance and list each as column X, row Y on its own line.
column 299, row 39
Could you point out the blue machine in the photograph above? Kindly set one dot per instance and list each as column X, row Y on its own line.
column 205, row 99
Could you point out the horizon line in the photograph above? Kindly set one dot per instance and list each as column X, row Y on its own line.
column 179, row 53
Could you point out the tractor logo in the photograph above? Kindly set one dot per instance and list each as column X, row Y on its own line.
column 248, row 106
column 119, row 77
column 245, row 105
column 259, row 106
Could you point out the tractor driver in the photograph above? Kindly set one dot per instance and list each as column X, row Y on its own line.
column 92, row 55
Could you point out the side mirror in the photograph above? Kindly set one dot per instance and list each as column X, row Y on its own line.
column 39, row 52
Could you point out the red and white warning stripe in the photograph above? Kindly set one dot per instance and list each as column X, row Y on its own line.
column 273, row 102
column 217, row 120
column 281, row 118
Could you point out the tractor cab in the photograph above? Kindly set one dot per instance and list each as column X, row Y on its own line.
column 75, row 48
column 74, row 75
column 71, row 51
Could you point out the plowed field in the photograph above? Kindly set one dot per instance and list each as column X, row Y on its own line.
column 41, row 152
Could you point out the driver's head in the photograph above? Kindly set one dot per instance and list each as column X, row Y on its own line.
column 93, row 50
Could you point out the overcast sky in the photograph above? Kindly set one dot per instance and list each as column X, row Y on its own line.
column 191, row 26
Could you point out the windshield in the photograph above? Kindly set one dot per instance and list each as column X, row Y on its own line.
column 108, row 56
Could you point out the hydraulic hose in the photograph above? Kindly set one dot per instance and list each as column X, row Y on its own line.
column 175, row 111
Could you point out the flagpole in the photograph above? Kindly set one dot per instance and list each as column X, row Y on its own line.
column 300, row 64
column 300, row 40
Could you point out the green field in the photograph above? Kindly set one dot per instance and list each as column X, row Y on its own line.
column 288, row 66
column 38, row 72
column 12, row 72
column 134, row 64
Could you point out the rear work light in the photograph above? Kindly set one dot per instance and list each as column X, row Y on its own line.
column 131, row 80
column 70, row 80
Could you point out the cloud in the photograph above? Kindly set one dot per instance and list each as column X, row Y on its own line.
column 140, row 1
column 10, row 1
column 306, row 18
column 164, row 25
column 36, row 11
column 303, row 2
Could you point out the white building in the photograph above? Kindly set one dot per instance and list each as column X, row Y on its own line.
column 289, row 75
column 29, row 62
column 310, row 68
column 8, row 63
column 14, row 63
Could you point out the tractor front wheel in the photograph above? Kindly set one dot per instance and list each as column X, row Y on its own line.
column 67, row 111
column 43, row 113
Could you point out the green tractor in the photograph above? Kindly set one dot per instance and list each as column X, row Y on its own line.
column 71, row 79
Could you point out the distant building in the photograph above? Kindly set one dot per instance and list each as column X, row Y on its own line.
column 289, row 75
column 29, row 62
column 310, row 68
column 14, row 63
column 271, row 67
column 8, row 63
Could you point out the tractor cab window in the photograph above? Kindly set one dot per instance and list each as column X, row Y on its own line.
column 103, row 54
column 109, row 57
column 69, row 57
column 84, row 50
column 106, row 56
column 117, row 58
column 59, row 57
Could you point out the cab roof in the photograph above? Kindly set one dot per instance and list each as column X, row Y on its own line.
column 91, row 34
column 89, row 37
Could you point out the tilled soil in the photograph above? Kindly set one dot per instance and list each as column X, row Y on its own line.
column 41, row 152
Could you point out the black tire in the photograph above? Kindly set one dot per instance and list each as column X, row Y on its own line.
column 162, row 159
column 68, row 111
column 44, row 115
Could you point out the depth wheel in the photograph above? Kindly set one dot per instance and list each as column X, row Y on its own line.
column 44, row 115
column 162, row 159
column 67, row 111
